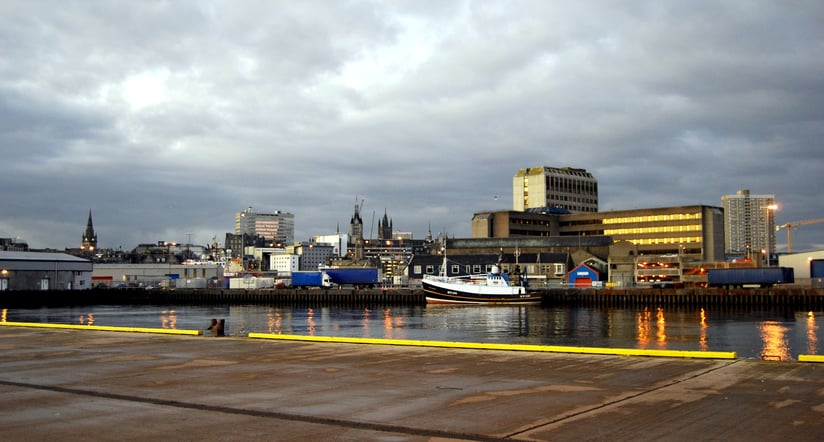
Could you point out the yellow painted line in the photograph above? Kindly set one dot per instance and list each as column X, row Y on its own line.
column 104, row 328
column 514, row 347
column 811, row 358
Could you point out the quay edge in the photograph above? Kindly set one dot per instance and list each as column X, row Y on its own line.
column 805, row 299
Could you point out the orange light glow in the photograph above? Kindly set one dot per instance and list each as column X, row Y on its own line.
column 662, row 327
column 812, row 338
column 702, row 337
column 773, row 335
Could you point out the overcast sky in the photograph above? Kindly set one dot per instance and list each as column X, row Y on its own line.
column 166, row 118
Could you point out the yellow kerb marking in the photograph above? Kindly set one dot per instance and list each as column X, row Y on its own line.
column 104, row 328
column 511, row 347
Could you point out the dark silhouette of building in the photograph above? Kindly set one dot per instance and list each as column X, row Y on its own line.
column 89, row 236
column 356, row 232
column 385, row 227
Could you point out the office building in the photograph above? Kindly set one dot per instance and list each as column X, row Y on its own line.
column 686, row 230
column 749, row 225
column 567, row 188
column 278, row 227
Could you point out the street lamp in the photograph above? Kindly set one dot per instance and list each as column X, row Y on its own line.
column 769, row 232
column 4, row 280
column 169, row 261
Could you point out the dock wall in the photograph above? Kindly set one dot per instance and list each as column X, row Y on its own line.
column 793, row 298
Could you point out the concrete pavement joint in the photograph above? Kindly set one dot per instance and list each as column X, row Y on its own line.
column 257, row 413
column 620, row 400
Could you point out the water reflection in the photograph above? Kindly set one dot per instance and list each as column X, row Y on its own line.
column 310, row 322
column 812, row 337
column 702, row 336
column 774, row 335
column 661, row 323
column 168, row 319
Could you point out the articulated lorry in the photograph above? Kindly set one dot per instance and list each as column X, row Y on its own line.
column 750, row 277
column 358, row 277
column 306, row 279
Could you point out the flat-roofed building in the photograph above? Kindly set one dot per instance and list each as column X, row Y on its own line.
column 556, row 187
column 44, row 271
column 686, row 230
column 277, row 226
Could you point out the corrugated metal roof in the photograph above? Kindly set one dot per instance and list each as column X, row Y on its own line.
column 39, row 256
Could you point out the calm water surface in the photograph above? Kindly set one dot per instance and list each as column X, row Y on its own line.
column 769, row 335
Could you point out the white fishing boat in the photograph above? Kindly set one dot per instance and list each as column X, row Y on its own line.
column 490, row 288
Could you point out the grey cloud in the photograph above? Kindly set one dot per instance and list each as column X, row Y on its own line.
column 166, row 118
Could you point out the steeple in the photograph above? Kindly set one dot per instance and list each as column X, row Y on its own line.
column 356, row 223
column 89, row 237
column 356, row 232
column 385, row 227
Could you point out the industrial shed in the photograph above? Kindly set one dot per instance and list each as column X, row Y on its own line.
column 44, row 271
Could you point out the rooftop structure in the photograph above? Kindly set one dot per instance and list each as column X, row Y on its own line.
column 568, row 188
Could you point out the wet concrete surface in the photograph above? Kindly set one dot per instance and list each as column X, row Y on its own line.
column 73, row 385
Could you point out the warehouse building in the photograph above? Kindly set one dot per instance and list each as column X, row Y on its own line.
column 44, row 271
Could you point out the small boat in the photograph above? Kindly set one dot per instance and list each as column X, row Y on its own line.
column 491, row 288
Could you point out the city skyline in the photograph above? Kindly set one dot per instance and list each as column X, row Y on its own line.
column 166, row 119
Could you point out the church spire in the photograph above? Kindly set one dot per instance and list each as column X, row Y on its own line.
column 89, row 237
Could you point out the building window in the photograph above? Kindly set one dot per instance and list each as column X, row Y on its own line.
column 559, row 269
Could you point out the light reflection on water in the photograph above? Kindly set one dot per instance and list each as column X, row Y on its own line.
column 768, row 335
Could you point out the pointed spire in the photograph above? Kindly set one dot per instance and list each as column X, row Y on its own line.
column 89, row 237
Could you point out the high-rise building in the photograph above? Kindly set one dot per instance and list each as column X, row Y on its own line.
column 278, row 226
column 567, row 188
column 749, row 224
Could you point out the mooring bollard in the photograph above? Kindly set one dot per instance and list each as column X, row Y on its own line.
column 221, row 327
column 213, row 325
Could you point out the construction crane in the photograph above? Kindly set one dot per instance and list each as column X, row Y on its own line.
column 792, row 225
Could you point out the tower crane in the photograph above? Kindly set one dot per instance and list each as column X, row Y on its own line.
column 791, row 225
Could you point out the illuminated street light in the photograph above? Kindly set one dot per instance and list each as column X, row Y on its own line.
column 769, row 231
column 169, row 261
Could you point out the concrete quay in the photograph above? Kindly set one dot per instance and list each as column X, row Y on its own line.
column 59, row 384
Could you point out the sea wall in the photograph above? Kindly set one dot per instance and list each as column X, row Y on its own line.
column 803, row 299
column 129, row 296
column 784, row 297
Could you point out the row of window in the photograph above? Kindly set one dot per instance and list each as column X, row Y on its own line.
column 557, row 269
column 652, row 218
column 658, row 229
column 653, row 241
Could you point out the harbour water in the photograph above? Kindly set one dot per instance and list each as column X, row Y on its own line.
column 756, row 334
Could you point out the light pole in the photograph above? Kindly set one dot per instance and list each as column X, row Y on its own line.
column 169, row 262
column 769, row 232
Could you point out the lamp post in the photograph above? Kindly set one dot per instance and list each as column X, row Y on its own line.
column 4, row 280
column 768, row 232
column 169, row 262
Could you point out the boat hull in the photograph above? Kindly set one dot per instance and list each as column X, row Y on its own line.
column 444, row 293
